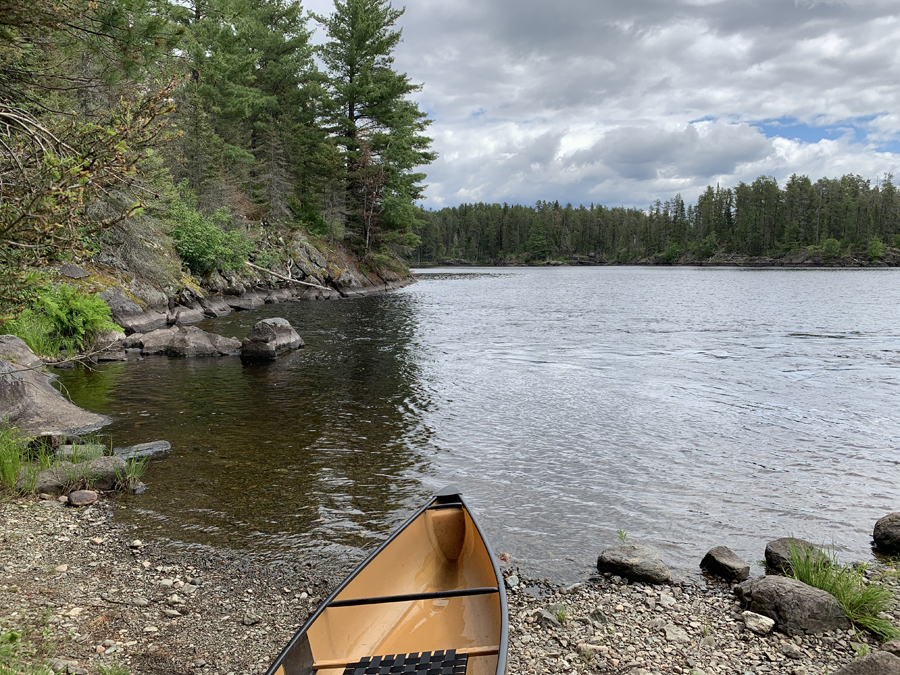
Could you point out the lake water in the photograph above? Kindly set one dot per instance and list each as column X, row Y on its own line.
column 689, row 407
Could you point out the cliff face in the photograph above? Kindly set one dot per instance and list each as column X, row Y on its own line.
column 139, row 275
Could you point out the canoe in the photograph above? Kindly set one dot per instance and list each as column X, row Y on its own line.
column 429, row 600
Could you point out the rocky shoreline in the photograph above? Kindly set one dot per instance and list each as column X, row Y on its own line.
column 85, row 595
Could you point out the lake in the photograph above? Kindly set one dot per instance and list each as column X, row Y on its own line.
column 688, row 407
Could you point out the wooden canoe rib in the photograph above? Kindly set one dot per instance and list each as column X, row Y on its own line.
column 429, row 600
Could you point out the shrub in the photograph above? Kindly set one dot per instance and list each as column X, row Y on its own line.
column 897, row 241
column 860, row 601
column 61, row 318
column 876, row 249
column 831, row 249
column 202, row 243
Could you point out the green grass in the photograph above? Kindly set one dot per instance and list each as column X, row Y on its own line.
column 18, row 656
column 134, row 471
column 860, row 601
column 561, row 613
column 113, row 669
column 11, row 457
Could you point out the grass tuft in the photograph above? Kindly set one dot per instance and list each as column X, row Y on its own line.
column 861, row 602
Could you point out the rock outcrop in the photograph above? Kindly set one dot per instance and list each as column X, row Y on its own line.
column 795, row 607
column 721, row 561
column 887, row 534
column 268, row 339
column 29, row 401
column 634, row 562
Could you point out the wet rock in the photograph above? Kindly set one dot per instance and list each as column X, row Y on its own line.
column 778, row 553
column 82, row 497
column 28, row 399
column 876, row 663
column 887, row 534
column 796, row 607
column 634, row 562
column 143, row 450
column 244, row 302
column 723, row 562
column 181, row 314
column 759, row 624
column 269, row 338
column 214, row 307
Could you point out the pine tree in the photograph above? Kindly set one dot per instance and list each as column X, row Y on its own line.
column 379, row 131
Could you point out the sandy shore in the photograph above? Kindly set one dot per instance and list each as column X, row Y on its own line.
column 85, row 595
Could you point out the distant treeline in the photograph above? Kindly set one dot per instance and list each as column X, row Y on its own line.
column 758, row 219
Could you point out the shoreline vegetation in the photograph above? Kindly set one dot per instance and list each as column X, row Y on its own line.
column 80, row 595
column 833, row 221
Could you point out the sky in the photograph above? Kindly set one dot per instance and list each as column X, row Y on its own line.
column 622, row 102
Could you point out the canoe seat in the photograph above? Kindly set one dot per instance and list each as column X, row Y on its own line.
column 424, row 663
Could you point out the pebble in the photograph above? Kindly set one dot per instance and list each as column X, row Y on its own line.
column 62, row 568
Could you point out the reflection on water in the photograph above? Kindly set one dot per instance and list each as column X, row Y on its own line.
column 320, row 449
column 689, row 407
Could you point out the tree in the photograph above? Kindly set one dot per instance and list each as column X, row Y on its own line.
column 379, row 132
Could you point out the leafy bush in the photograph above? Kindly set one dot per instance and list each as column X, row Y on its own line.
column 876, row 249
column 831, row 249
column 897, row 241
column 61, row 318
column 202, row 243
column 672, row 252
column 861, row 602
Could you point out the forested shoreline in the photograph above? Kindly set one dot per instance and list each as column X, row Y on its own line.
column 846, row 218
column 205, row 132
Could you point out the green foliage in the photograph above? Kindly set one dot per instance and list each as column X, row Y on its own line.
column 897, row 241
column 134, row 471
column 202, row 243
column 622, row 535
column 876, row 249
column 831, row 249
column 11, row 457
column 862, row 602
column 561, row 613
column 61, row 318
column 672, row 252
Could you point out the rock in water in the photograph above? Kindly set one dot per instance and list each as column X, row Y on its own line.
column 876, row 663
column 187, row 341
column 634, row 562
column 794, row 606
column 887, row 534
column 82, row 497
column 723, row 562
column 269, row 338
column 143, row 450
column 778, row 553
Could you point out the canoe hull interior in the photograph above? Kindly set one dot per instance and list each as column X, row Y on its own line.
column 439, row 552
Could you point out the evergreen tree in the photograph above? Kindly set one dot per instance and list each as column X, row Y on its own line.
column 379, row 131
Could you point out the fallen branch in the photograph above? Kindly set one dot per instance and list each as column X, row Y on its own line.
column 284, row 278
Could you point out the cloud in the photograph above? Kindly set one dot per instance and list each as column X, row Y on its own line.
column 622, row 103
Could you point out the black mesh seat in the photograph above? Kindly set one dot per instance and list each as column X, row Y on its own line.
column 427, row 663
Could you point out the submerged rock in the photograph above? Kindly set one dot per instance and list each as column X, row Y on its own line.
column 143, row 450
column 269, row 338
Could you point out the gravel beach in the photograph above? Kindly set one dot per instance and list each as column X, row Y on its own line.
column 84, row 597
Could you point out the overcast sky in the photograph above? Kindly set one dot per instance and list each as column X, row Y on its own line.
column 621, row 102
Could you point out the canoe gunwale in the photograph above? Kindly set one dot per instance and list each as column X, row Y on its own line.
column 440, row 500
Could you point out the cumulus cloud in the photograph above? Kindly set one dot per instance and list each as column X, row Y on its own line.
column 623, row 103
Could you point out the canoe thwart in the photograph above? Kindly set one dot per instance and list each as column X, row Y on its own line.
column 411, row 597
column 433, row 662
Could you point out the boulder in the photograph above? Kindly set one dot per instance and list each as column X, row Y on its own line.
column 887, row 534
column 876, row 663
column 892, row 647
column 129, row 315
column 187, row 341
column 245, row 302
column 795, row 607
column 142, row 450
column 778, row 553
column 721, row 561
column 634, row 562
column 214, row 307
column 181, row 314
column 269, row 338
column 29, row 401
